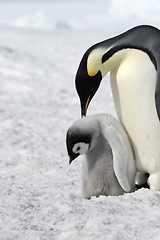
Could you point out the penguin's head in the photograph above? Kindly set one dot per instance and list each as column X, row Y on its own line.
column 88, row 79
column 80, row 138
column 95, row 64
column 77, row 142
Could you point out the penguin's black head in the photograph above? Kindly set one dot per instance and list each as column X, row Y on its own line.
column 77, row 143
column 86, row 85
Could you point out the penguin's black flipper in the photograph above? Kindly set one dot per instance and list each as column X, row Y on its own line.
column 157, row 90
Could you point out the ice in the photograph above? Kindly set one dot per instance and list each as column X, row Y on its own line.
column 41, row 44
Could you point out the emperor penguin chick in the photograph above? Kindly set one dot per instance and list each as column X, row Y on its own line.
column 108, row 167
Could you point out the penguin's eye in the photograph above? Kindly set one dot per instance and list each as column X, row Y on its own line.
column 80, row 148
column 76, row 148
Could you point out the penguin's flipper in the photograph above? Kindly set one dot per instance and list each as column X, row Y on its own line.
column 123, row 160
column 155, row 50
column 157, row 92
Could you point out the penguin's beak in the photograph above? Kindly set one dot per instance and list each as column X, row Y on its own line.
column 83, row 113
column 73, row 156
column 70, row 160
column 84, row 110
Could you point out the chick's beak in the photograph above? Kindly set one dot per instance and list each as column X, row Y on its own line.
column 73, row 157
column 70, row 160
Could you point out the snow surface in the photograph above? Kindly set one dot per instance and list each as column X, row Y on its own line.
column 41, row 45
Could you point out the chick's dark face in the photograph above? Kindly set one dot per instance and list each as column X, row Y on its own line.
column 70, row 142
column 86, row 85
column 75, row 136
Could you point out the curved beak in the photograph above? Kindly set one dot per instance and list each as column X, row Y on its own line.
column 70, row 160
column 84, row 110
column 73, row 157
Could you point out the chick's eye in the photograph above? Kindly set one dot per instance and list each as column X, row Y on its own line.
column 78, row 148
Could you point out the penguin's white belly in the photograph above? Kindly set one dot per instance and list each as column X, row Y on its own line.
column 133, row 86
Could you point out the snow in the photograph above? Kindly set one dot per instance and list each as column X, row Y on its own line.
column 41, row 45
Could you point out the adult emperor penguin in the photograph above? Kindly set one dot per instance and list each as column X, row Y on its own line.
column 133, row 59
column 109, row 166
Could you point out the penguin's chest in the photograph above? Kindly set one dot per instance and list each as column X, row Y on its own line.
column 133, row 86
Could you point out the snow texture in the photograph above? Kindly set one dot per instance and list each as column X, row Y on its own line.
column 41, row 44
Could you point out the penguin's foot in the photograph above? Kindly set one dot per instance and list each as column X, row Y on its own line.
column 141, row 180
column 154, row 181
column 141, row 186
